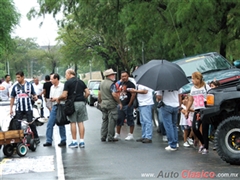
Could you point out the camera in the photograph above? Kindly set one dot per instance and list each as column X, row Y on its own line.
column 160, row 104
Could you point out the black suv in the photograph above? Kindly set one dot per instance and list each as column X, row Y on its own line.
column 212, row 66
column 223, row 112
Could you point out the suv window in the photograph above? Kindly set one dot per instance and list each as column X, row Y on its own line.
column 203, row 64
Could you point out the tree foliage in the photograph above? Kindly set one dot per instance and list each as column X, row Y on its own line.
column 124, row 33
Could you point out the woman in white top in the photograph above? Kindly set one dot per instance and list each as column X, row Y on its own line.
column 198, row 96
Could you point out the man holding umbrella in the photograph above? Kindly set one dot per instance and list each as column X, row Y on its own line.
column 168, row 79
column 171, row 101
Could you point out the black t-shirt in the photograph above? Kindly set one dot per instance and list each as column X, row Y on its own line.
column 47, row 87
column 70, row 86
column 125, row 96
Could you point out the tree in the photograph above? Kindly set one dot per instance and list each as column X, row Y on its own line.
column 8, row 20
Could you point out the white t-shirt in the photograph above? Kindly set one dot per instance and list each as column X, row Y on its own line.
column 170, row 98
column 145, row 99
column 56, row 91
column 3, row 92
column 38, row 88
column 199, row 96
column 183, row 120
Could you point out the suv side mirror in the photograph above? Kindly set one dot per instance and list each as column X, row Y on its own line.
column 237, row 63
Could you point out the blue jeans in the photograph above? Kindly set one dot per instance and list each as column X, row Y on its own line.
column 160, row 122
column 51, row 123
column 146, row 121
column 170, row 115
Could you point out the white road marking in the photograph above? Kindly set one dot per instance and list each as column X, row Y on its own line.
column 27, row 164
column 60, row 169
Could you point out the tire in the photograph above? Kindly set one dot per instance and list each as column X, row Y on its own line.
column 22, row 149
column 227, row 140
column 155, row 117
column 91, row 101
column 8, row 150
column 33, row 145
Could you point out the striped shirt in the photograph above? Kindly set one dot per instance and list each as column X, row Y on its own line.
column 23, row 96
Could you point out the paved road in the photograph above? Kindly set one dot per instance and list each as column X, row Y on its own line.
column 118, row 160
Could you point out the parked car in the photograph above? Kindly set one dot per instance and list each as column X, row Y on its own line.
column 212, row 66
column 93, row 97
column 91, row 83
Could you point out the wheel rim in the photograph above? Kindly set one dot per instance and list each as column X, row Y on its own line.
column 232, row 140
column 23, row 149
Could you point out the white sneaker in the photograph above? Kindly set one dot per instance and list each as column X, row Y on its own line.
column 129, row 137
column 186, row 144
column 190, row 141
column 168, row 148
column 164, row 138
column 117, row 136
column 177, row 145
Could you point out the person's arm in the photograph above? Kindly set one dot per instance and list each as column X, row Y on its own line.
column 63, row 96
column 99, row 97
column 33, row 93
column 116, row 98
column 140, row 91
column 44, row 94
column 87, row 93
column 11, row 105
column 189, row 105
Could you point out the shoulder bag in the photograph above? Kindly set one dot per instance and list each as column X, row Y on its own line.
column 69, row 103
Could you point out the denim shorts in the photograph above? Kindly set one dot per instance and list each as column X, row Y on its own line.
column 125, row 113
column 185, row 127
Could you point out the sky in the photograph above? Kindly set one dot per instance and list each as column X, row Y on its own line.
column 45, row 34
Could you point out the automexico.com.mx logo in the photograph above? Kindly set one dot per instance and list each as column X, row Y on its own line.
column 188, row 174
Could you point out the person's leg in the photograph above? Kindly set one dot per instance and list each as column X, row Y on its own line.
column 15, row 123
column 81, row 129
column 113, row 116
column 73, row 129
column 196, row 126
column 161, row 126
column 167, row 121
column 104, row 128
column 205, row 130
column 121, row 117
column 141, row 114
column 32, row 126
column 148, row 121
column 130, row 122
column 62, row 132
column 50, row 124
column 174, row 124
column 130, row 119
column 42, row 111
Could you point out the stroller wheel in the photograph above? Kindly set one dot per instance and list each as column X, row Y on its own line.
column 33, row 145
column 8, row 150
column 22, row 149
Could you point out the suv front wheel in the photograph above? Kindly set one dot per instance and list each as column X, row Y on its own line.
column 227, row 140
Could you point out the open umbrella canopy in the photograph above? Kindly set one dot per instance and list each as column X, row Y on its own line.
column 161, row 75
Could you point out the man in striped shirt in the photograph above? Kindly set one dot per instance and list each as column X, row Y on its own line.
column 22, row 91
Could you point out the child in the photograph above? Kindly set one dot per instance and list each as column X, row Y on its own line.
column 186, row 124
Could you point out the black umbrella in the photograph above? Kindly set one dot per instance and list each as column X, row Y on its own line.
column 161, row 75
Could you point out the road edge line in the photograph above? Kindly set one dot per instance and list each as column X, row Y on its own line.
column 60, row 169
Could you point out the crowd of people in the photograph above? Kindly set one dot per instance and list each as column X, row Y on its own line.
column 116, row 99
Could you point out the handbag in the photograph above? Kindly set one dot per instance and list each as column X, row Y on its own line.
column 69, row 108
column 61, row 118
